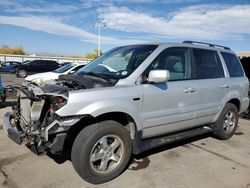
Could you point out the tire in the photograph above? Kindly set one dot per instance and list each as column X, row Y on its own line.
column 101, row 151
column 227, row 122
column 21, row 73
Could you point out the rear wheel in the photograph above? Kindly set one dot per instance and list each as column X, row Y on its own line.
column 226, row 124
column 21, row 73
column 101, row 151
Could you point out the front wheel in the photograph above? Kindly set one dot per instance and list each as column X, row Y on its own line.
column 227, row 122
column 101, row 151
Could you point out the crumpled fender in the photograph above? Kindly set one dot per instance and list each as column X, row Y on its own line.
column 106, row 100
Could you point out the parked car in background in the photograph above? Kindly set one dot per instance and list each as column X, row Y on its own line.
column 40, row 78
column 65, row 63
column 2, row 91
column 245, row 61
column 8, row 66
column 35, row 66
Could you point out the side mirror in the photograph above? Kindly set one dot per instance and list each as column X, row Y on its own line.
column 158, row 76
column 71, row 72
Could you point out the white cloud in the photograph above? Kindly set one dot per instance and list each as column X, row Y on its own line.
column 52, row 8
column 101, row 3
column 36, row 7
column 195, row 22
column 55, row 26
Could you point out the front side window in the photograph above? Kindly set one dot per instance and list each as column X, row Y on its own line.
column 77, row 68
column 176, row 61
column 64, row 68
column 233, row 65
column 119, row 62
column 207, row 64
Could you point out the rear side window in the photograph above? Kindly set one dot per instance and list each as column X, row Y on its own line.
column 35, row 62
column 233, row 64
column 207, row 64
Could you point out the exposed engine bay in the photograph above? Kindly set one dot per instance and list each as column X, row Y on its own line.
column 34, row 120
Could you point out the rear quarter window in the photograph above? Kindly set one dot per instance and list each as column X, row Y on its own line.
column 233, row 65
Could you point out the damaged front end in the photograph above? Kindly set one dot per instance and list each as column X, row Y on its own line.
column 34, row 121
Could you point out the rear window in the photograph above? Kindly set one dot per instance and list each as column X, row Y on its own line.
column 207, row 64
column 233, row 64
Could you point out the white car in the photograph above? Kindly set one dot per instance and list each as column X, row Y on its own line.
column 47, row 76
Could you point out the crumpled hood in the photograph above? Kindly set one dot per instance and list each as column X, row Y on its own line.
column 55, row 89
column 84, row 81
column 66, row 83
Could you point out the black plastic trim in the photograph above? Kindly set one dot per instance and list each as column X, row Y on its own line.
column 140, row 145
column 13, row 133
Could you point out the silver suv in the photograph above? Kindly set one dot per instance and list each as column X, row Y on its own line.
column 131, row 99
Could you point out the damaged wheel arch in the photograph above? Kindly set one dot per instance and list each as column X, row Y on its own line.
column 122, row 118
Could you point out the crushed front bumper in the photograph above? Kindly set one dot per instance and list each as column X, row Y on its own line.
column 12, row 132
column 32, row 123
column 51, row 139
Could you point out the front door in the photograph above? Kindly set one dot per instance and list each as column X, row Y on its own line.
column 167, row 105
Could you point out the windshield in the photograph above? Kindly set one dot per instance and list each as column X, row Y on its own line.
column 64, row 68
column 119, row 62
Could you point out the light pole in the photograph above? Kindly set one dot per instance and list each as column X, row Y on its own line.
column 99, row 26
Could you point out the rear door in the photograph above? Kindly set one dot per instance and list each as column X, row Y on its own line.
column 52, row 65
column 45, row 66
column 33, row 66
column 212, row 85
column 239, row 83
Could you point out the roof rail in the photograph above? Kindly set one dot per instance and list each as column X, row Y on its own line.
column 204, row 43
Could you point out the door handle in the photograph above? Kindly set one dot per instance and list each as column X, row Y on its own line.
column 225, row 86
column 186, row 90
column 189, row 90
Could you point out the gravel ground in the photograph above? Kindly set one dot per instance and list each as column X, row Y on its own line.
column 204, row 162
column 9, row 79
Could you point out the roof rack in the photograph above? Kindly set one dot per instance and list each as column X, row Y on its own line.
column 204, row 43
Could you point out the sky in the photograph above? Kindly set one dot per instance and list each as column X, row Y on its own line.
column 63, row 27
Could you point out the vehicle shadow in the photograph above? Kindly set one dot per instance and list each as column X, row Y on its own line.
column 171, row 146
column 59, row 159
column 140, row 161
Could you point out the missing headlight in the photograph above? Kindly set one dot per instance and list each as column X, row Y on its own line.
column 57, row 102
